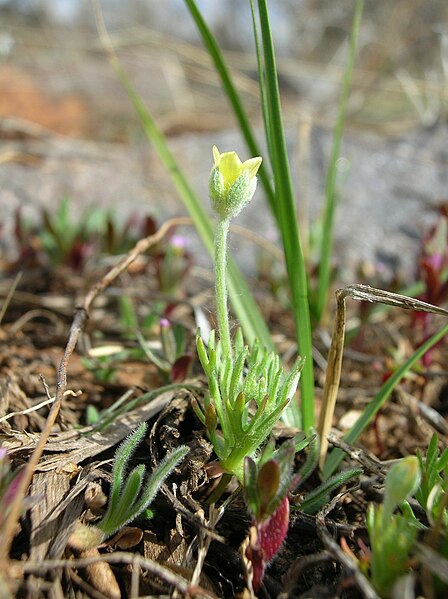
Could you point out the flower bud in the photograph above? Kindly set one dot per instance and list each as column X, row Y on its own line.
column 232, row 183
column 402, row 481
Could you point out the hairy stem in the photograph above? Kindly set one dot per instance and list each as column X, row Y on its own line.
column 222, row 229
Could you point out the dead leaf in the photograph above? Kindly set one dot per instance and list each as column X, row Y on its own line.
column 127, row 537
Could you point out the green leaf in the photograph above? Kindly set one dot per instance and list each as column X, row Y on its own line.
column 236, row 380
column 330, row 185
column 268, row 482
column 312, row 457
column 250, row 484
column 122, row 512
column 401, row 482
column 295, row 263
column 202, row 353
column 158, row 477
column 122, row 457
column 316, row 498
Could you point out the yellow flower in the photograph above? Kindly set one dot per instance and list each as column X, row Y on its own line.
column 232, row 182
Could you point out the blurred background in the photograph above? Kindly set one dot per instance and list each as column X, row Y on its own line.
column 68, row 129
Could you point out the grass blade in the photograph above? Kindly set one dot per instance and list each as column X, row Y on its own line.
column 295, row 263
column 323, row 283
column 262, row 84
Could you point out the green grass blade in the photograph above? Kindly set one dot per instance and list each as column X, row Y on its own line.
column 243, row 303
column 337, row 455
column 233, row 97
column 295, row 263
column 330, row 191
column 261, row 79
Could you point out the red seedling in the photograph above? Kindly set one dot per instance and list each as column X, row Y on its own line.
column 265, row 539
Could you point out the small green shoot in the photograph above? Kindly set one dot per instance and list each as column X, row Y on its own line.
column 103, row 368
column 392, row 535
column 433, row 497
column 318, row 497
column 171, row 359
column 128, row 498
column 434, row 485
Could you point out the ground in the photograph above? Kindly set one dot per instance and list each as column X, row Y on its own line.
column 77, row 457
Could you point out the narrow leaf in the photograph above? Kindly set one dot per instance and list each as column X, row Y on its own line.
column 295, row 263
column 122, row 457
column 158, row 477
column 330, row 185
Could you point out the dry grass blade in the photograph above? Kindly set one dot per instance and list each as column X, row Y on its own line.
column 136, row 561
column 363, row 293
column 204, row 541
column 368, row 461
column 10, row 295
column 79, row 320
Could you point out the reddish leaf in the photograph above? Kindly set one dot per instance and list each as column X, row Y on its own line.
column 265, row 539
column 268, row 483
column 181, row 368
column 273, row 530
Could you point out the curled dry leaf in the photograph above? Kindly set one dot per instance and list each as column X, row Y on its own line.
column 127, row 537
column 94, row 497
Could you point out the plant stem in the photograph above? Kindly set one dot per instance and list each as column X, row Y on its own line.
column 222, row 229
